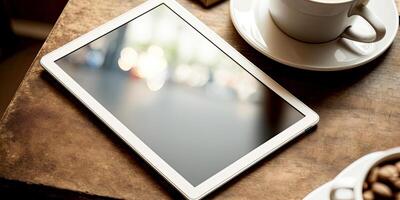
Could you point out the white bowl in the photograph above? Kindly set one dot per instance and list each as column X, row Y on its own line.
column 352, row 177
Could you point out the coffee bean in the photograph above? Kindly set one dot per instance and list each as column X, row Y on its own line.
column 373, row 175
column 381, row 190
column 369, row 195
column 393, row 179
column 397, row 196
column 365, row 185
column 398, row 166
column 383, row 182
column 387, row 172
column 397, row 184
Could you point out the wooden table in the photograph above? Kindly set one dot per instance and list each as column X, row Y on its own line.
column 47, row 137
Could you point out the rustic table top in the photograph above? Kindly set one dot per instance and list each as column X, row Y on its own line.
column 47, row 137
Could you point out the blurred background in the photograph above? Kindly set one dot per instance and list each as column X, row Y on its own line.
column 24, row 26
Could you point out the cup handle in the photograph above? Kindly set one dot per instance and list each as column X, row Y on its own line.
column 347, row 184
column 372, row 19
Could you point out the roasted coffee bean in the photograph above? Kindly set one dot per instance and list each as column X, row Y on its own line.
column 397, row 196
column 388, row 172
column 394, row 179
column 382, row 190
column 398, row 166
column 396, row 184
column 383, row 182
column 365, row 185
column 368, row 195
column 373, row 175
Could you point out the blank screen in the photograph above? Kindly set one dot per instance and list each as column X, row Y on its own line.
column 181, row 95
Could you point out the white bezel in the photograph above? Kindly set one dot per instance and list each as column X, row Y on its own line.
column 179, row 182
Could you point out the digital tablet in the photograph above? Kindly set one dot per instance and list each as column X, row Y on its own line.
column 192, row 106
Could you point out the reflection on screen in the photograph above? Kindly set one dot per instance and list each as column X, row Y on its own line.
column 182, row 96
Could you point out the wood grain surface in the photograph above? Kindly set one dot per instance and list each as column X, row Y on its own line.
column 47, row 137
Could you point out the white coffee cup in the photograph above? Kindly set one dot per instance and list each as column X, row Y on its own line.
column 318, row 21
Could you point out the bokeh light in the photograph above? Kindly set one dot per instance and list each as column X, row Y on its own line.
column 128, row 58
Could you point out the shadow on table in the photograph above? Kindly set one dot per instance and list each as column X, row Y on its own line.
column 199, row 4
column 311, row 87
column 12, row 189
column 314, row 88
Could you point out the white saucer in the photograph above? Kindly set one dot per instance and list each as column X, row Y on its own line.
column 252, row 20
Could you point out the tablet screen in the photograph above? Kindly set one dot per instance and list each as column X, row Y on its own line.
column 180, row 94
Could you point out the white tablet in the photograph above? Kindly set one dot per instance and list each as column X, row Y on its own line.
column 186, row 101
